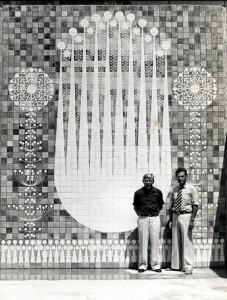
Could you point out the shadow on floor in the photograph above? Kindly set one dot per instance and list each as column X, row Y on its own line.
column 220, row 272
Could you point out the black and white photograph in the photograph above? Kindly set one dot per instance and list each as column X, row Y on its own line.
column 113, row 154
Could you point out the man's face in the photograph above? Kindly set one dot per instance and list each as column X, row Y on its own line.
column 148, row 181
column 181, row 178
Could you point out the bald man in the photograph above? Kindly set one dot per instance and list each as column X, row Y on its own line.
column 148, row 202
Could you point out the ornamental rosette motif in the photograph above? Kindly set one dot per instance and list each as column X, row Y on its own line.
column 31, row 89
column 195, row 88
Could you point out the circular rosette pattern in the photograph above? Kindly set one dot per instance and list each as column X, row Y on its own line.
column 31, row 89
column 195, row 88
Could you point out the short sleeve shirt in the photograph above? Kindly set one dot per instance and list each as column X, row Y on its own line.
column 148, row 201
column 190, row 196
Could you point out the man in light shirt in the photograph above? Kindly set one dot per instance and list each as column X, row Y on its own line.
column 183, row 210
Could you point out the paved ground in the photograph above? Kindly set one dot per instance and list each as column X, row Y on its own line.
column 204, row 284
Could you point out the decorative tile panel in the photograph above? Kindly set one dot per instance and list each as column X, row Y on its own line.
column 167, row 52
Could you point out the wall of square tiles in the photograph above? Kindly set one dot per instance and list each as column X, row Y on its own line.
column 28, row 39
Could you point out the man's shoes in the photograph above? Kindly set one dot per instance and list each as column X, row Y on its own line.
column 158, row 270
column 188, row 270
column 141, row 270
column 170, row 269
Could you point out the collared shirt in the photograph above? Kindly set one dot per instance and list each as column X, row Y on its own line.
column 190, row 196
column 148, row 202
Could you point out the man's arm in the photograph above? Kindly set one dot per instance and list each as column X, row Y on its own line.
column 160, row 202
column 194, row 212
column 137, row 210
column 135, row 204
column 171, row 214
column 171, row 206
column 195, row 203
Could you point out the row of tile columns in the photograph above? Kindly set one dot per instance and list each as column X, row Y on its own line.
column 98, row 254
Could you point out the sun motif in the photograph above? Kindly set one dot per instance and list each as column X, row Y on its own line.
column 195, row 88
column 31, row 89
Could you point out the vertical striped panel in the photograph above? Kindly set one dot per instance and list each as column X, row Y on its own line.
column 142, row 158
column 130, row 152
column 83, row 151
column 154, row 155
column 95, row 159
column 119, row 133
column 107, row 159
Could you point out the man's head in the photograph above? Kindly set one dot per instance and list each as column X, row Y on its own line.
column 181, row 176
column 148, row 180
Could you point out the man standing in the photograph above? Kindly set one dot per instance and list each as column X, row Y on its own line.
column 183, row 210
column 148, row 202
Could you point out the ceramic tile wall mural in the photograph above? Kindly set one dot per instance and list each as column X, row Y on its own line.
column 93, row 97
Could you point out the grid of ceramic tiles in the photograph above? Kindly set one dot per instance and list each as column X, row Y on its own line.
column 29, row 37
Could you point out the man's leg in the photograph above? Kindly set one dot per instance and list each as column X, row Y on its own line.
column 143, row 229
column 176, row 245
column 187, row 244
column 154, row 238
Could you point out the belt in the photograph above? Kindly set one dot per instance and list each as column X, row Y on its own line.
column 182, row 212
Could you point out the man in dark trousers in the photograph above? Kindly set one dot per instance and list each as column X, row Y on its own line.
column 183, row 210
column 148, row 202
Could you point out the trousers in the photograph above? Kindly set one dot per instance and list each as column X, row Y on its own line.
column 148, row 227
column 182, row 244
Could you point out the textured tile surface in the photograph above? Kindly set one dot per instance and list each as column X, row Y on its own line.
column 29, row 38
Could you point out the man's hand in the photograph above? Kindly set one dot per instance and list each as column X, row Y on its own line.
column 169, row 224
column 191, row 225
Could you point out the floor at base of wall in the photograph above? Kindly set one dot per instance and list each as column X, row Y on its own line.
column 102, row 284
column 107, row 274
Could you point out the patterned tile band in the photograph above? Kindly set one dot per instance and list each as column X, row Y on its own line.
column 90, row 253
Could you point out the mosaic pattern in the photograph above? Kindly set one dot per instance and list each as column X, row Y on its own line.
column 29, row 37
column 31, row 89
column 116, row 145
column 195, row 89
